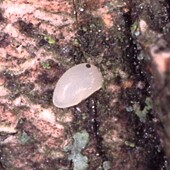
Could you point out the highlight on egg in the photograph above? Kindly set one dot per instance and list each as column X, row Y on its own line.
column 77, row 84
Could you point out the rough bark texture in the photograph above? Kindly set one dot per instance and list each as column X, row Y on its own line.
column 160, row 53
column 118, row 127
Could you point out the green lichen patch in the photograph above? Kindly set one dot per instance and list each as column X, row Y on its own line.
column 46, row 65
column 24, row 138
column 142, row 114
column 80, row 162
column 130, row 144
column 50, row 40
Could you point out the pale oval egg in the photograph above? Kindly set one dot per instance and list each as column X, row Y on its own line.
column 76, row 84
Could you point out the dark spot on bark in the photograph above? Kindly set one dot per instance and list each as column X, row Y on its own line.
column 26, row 28
column 46, row 78
column 42, row 42
column 2, row 19
column 4, row 40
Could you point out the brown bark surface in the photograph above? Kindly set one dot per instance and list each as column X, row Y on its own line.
column 123, row 126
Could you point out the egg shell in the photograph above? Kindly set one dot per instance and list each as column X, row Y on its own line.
column 77, row 84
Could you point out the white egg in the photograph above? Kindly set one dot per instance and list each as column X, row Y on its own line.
column 76, row 84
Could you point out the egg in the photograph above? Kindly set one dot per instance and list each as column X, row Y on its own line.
column 77, row 84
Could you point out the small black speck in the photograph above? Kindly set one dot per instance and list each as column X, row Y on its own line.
column 88, row 65
column 42, row 42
